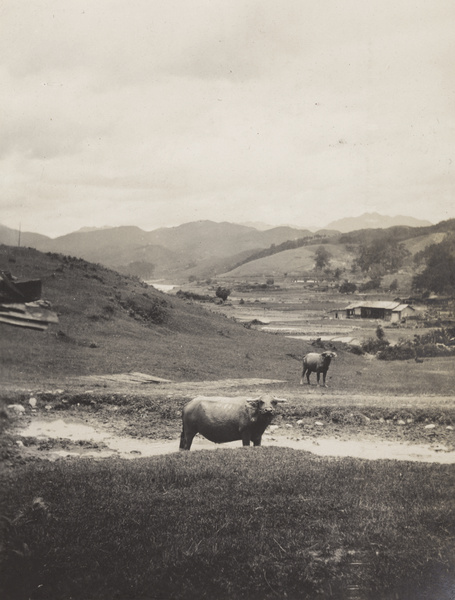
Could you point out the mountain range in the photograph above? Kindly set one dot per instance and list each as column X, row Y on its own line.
column 205, row 249
column 375, row 221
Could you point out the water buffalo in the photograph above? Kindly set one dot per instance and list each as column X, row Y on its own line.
column 316, row 363
column 221, row 419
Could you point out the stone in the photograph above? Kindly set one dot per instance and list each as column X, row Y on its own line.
column 17, row 408
column 431, row 426
column 32, row 402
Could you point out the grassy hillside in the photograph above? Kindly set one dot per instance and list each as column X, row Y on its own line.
column 297, row 261
column 279, row 259
column 110, row 323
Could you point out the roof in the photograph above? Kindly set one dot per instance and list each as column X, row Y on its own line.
column 384, row 304
column 401, row 307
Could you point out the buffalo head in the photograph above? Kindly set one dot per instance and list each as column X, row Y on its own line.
column 265, row 404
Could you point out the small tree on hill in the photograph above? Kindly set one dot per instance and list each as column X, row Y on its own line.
column 222, row 293
column 322, row 258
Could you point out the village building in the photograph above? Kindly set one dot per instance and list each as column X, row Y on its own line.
column 392, row 311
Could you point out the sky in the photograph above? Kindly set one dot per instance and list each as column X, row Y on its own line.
column 160, row 112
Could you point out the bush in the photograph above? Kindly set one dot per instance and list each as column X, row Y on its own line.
column 193, row 296
column 222, row 293
column 398, row 352
column 146, row 309
column 372, row 345
column 347, row 288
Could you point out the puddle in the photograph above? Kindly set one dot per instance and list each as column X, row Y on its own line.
column 128, row 447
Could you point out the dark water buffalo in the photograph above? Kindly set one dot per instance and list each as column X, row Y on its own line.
column 316, row 363
column 221, row 419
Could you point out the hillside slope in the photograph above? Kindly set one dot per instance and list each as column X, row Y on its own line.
column 293, row 262
column 110, row 323
column 171, row 252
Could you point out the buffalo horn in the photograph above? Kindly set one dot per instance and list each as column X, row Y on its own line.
column 279, row 399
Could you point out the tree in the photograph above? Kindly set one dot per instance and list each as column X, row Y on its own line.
column 322, row 258
column 382, row 256
column 347, row 288
column 439, row 274
column 393, row 285
column 222, row 293
column 372, row 284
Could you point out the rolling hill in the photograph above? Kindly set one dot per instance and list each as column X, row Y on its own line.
column 205, row 249
column 170, row 252
column 111, row 323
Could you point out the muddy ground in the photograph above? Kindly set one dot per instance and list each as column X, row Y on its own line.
column 101, row 418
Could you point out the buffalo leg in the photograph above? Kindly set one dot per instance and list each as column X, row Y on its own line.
column 305, row 370
column 186, row 440
column 257, row 441
column 246, row 438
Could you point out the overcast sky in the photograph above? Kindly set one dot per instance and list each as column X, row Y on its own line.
column 159, row 112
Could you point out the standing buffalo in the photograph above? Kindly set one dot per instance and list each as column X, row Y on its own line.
column 316, row 363
column 221, row 419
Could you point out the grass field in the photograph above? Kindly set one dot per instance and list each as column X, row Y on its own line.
column 258, row 523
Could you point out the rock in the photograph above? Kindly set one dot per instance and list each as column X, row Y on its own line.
column 449, row 428
column 20, row 443
column 32, row 402
column 409, row 421
column 319, row 424
column 17, row 408
column 300, row 422
column 401, row 422
column 431, row 426
column 289, row 425
column 48, row 407
column 274, row 427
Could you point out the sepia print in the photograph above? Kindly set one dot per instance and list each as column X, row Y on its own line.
column 227, row 300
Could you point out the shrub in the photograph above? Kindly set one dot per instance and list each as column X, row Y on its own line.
column 222, row 293
column 347, row 288
column 146, row 309
column 372, row 346
column 398, row 352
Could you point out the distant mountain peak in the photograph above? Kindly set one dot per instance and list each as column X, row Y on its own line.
column 375, row 220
